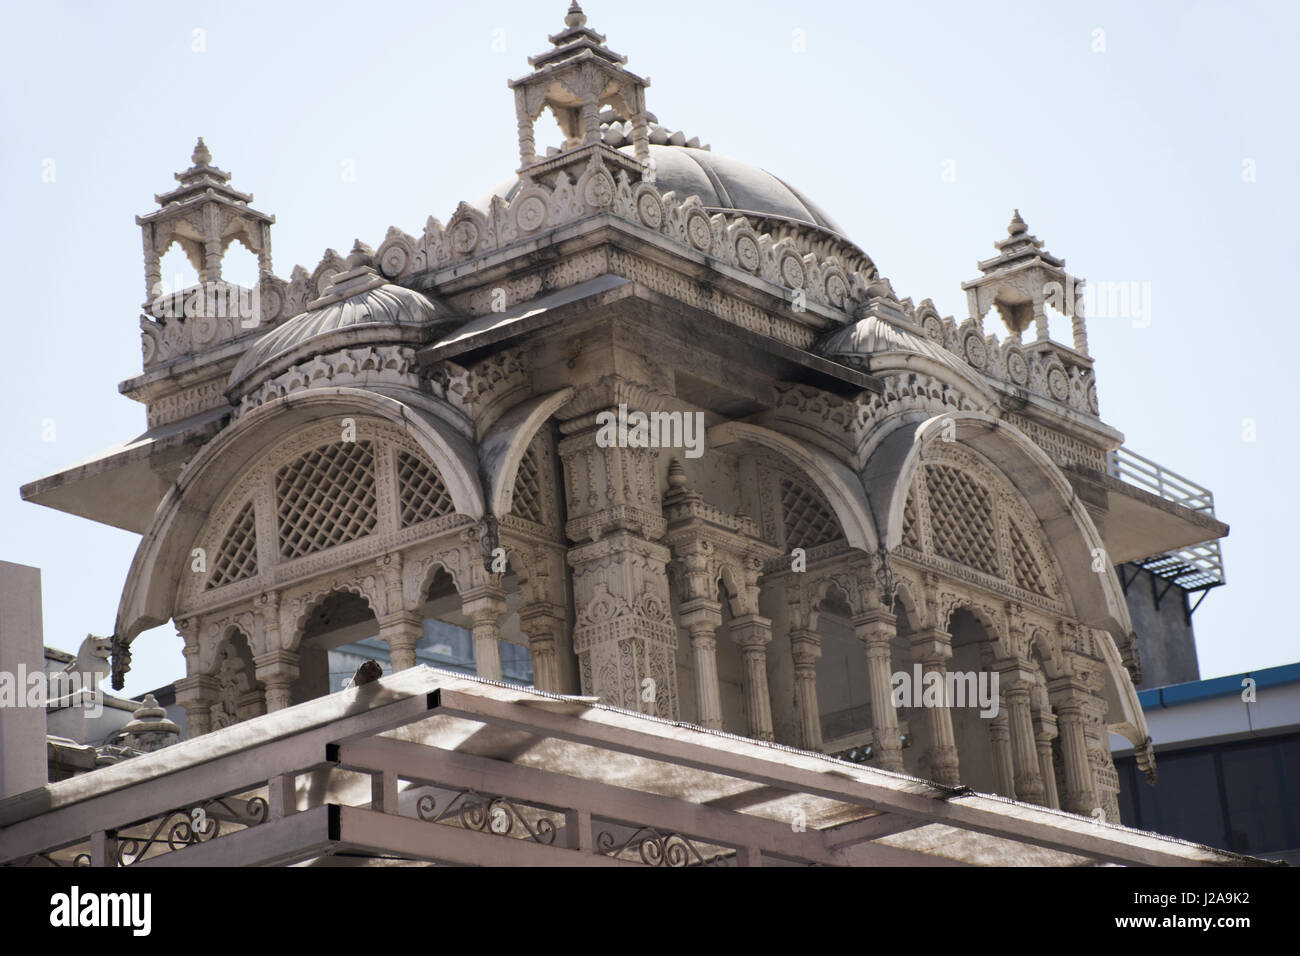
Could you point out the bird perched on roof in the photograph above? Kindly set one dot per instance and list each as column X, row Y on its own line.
column 367, row 672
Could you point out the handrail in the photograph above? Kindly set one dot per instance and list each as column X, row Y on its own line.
column 1147, row 474
column 1193, row 568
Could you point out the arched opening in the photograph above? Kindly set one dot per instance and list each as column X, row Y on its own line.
column 176, row 271
column 731, row 671
column 913, row 729
column 239, row 265
column 448, row 639
column 340, row 633
column 843, row 691
column 974, row 706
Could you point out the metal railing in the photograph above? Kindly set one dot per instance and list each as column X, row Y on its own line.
column 1194, row 568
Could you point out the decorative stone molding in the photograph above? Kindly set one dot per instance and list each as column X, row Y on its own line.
column 361, row 367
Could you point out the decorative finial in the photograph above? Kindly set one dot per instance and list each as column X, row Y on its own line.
column 1017, row 226
column 575, row 17
column 201, row 155
column 361, row 255
column 676, row 475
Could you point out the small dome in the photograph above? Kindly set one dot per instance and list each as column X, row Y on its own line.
column 873, row 336
column 359, row 307
column 723, row 185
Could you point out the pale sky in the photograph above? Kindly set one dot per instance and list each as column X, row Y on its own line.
column 1149, row 143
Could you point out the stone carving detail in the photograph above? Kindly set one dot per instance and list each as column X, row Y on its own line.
column 380, row 511
column 962, row 518
column 370, row 365
column 827, row 269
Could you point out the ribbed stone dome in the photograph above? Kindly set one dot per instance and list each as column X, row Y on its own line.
column 871, row 337
column 359, row 307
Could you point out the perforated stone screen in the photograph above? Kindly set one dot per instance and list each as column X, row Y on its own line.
column 961, row 519
column 326, row 497
column 528, row 488
column 1026, row 570
column 237, row 558
column 809, row 520
column 422, row 493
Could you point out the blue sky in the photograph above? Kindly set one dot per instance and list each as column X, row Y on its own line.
column 918, row 126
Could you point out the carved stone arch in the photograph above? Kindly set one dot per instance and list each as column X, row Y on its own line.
column 1044, row 648
column 823, row 588
column 833, row 479
column 299, row 603
column 1096, row 597
column 503, row 448
column 990, row 619
column 908, row 607
column 150, row 595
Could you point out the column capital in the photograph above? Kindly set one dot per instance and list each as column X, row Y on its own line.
column 930, row 645
column 751, row 630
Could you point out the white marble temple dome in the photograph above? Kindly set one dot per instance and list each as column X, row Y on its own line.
column 724, row 184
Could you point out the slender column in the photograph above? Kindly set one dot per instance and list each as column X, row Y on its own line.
column 543, row 623
column 485, row 607
column 752, row 633
column 590, row 118
column 1070, row 699
column 197, row 694
column 702, row 618
column 277, row 670
column 1044, row 734
column 402, row 630
column 875, row 629
column 806, row 648
column 1017, row 681
column 931, row 648
column 1004, row 780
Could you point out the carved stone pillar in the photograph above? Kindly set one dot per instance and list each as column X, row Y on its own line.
column 277, row 670
column 1070, row 699
column 624, row 635
column 875, row 629
column 197, row 694
column 931, row 648
column 485, row 607
column 752, row 634
column 701, row 618
column 1017, row 682
column 999, row 730
column 401, row 630
column 806, row 648
column 544, row 625
column 1044, row 734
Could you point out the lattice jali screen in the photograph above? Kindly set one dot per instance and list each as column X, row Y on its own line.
column 528, row 488
column 237, row 557
column 962, row 526
column 421, row 491
column 1027, row 573
column 911, row 523
column 809, row 520
column 326, row 497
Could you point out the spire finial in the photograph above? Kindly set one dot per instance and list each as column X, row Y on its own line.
column 201, row 156
column 575, row 17
column 1017, row 225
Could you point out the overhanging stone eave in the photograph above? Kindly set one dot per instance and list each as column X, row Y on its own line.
column 1135, row 524
column 581, row 301
column 122, row 485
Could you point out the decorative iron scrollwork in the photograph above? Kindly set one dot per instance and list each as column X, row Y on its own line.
column 187, row 827
column 653, row 848
column 485, row 814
